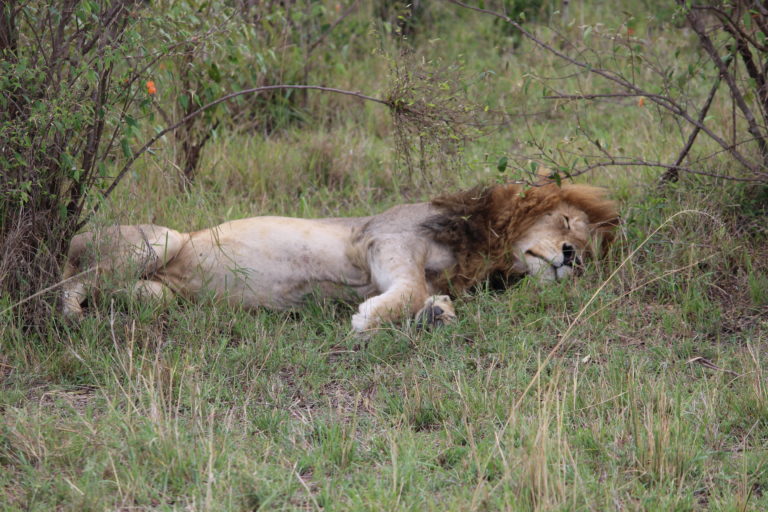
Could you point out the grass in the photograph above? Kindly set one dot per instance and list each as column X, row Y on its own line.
column 656, row 400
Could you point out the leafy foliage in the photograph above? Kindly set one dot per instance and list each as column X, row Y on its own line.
column 68, row 83
column 82, row 81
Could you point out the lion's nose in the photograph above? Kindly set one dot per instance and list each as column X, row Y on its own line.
column 569, row 254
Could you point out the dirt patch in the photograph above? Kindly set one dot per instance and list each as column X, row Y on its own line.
column 77, row 398
column 347, row 401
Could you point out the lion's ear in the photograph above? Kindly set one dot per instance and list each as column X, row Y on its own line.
column 603, row 234
column 544, row 176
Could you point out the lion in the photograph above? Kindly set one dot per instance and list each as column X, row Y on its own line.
column 403, row 264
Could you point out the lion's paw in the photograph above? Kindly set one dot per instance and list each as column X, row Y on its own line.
column 360, row 323
column 438, row 310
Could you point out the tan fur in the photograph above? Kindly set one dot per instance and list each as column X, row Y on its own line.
column 398, row 261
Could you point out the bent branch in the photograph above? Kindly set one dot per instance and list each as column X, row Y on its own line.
column 255, row 90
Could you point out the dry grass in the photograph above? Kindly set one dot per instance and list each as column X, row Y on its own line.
column 654, row 399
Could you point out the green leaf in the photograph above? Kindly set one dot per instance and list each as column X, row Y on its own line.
column 126, row 148
column 502, row 165
column 748, row 20
column 67, row 162
column 214, row 73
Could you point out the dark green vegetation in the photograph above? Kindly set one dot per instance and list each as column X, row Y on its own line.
column 656, row 399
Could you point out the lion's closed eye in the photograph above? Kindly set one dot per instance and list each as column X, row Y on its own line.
column 567, row 222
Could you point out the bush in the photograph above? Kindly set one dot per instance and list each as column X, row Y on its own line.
column 68, row 82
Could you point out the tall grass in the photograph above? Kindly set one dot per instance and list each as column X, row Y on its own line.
column 657, row 400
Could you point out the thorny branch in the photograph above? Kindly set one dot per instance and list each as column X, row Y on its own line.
column 736, row 94
column 662, row 101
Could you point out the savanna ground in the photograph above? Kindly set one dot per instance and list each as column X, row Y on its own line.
column 656, row 399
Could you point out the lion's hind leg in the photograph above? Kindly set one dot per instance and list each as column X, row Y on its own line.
column 105, row 258
column 154, row 291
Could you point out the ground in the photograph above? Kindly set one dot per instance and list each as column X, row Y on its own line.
column 642, row 385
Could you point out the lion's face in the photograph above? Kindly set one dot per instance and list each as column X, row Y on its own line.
column 553, row 247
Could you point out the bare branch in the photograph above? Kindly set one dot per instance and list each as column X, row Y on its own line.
column 663, row 101
column 349, row 10
column 597, row 96
column 761, row 177
column 709, row 47
column 672, row 174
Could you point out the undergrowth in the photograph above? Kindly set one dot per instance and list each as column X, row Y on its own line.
column 656, row 400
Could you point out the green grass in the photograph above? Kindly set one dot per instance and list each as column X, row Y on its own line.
column 656, row 400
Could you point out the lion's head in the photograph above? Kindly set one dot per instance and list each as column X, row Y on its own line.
column 543, row 231
column 553, row 247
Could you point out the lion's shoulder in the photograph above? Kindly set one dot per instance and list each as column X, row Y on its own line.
column 402, row 219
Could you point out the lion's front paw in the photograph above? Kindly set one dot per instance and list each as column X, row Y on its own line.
column 438, row 310
column 360, row 322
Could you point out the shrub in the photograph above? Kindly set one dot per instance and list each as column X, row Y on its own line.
column 68, row 80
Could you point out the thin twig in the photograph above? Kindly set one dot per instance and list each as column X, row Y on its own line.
column 349, row 10
column 731, row 24
column 596, row 96
column 673, row 173
column 642, row 163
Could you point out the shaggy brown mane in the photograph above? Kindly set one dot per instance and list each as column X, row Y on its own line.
column 481, row 224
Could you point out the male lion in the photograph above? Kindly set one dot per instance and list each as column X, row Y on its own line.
column 403, row 262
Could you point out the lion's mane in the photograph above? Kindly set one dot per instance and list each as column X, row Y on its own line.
column 482, row 223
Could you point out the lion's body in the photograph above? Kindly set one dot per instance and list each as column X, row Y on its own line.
column 272, row 262
column 395, row 260
column 277, row 262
